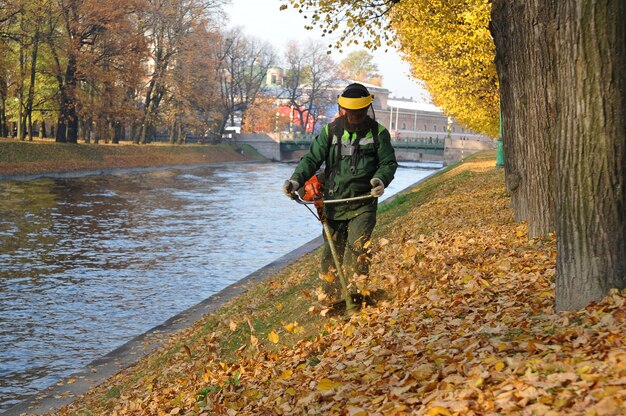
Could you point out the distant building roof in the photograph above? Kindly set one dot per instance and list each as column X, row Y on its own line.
column 410, row 105
column 367, row 85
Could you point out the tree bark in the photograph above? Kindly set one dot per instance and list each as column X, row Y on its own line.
column 67, row 130
column 20, row 93
column 31, row 88
column 4, row 128
column 591, row 147
column 523, row 34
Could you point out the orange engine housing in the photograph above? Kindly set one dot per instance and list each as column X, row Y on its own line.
column 313, row 189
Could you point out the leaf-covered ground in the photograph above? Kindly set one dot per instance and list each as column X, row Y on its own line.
column 17, row 157
column 467, row 328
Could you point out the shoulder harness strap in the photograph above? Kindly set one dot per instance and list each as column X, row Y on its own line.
column 335, row 129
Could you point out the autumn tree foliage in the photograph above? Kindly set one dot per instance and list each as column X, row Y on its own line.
column 262, row 117
column 22, row 31
column 447, row 43
column 449, row 47
column 193, row 102
column 360, row 66
column 560, row 65
column 111, row 69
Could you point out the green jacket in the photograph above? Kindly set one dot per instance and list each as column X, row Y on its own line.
column 353, row 174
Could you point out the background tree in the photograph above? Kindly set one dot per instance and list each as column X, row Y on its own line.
column 295, row 75
column 244, row 63
column 322, row 76
column 262, row 117
column 360, row 66
column 449, row 47
column 527, row 75
column 166, row 23
column 193, row 97
column 108, row 68
column 310, row 74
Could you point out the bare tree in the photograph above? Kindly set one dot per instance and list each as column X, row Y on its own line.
column 243, row 69
column 310, row 74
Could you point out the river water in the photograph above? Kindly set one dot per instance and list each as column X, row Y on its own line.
column 87, row 264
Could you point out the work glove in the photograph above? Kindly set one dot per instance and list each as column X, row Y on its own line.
column 290, row 186
column 378, row 187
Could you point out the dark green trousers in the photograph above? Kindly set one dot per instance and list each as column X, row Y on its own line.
column 349, row 237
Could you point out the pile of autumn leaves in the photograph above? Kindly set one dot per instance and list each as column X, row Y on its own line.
column 469, row 329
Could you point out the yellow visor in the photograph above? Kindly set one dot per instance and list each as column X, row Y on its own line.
column 354, row 103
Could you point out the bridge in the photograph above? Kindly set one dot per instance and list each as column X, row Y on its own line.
column 285, row 147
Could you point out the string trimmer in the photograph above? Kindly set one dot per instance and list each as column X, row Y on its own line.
column 313, row 191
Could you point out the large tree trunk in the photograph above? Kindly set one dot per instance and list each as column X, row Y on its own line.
column 591, row 147
column 522, row 31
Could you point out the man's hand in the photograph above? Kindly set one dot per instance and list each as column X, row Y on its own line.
column 378, row 187
column 290, row 186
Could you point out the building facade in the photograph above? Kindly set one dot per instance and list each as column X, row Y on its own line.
column 405, row 119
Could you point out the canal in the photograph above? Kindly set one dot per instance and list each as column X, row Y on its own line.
column 87, row 264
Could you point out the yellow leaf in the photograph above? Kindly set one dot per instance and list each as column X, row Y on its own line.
column 285, row 375
column 291, row 391
column 379, row 399
column 273, row 336
column 349, row 330
column 291, row 327
column 233, row 326
column 326, row 384
column 71, row 380
column 499, row 366
column 409, row 252
column 328, row 277
column 279, row 307
column 438, row 410
column 423, row 372
column 251, row 394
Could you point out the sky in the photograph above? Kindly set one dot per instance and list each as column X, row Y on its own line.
column 263, row 20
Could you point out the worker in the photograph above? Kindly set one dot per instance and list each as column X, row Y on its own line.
column 358, row 160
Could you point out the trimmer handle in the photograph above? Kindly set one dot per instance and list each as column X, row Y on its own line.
column 296, row 197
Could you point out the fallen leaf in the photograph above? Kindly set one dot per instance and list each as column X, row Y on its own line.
column 327, row 384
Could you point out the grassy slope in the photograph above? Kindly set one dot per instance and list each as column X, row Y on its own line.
column 469, row 328
column 47, row 156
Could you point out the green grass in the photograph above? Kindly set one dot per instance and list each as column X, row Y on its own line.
column 47, row 151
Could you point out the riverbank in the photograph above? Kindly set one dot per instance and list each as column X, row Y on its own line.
column 468, row 328
column 42, row 156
